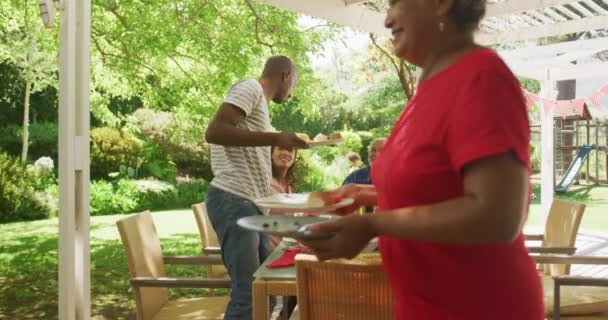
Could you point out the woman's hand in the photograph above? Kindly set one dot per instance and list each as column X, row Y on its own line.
column 350, row 235
column 363, row 196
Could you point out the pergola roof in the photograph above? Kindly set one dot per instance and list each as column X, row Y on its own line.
column 505, row 21
column 580, row 59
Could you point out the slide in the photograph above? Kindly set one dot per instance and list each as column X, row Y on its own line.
column 573, row 169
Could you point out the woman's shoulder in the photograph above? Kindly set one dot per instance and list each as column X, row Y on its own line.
column 483, row 60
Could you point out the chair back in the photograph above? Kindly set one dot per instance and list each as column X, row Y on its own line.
column 562, row 226
column 145, row 259
column 208, row 238
column 342, row 289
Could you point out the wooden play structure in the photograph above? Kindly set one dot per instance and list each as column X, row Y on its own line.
column 581, row 143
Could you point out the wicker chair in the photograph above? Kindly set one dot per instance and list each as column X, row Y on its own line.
column 342, row 289
column 149, row 281
column 211, row 245
column 560, row 234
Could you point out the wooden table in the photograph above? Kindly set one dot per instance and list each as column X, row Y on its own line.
column 272, row 282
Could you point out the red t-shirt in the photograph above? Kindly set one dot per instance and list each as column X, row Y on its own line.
column 471, row 110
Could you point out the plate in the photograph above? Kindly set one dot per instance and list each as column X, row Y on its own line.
column 290, row 241
column 297, row 202
column 329, row 142
column 285, row 226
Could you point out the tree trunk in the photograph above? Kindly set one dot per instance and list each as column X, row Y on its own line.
column 26, row 121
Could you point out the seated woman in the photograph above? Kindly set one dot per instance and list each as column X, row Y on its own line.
column 283, row 161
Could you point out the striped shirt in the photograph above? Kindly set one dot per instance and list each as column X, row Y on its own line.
column 245, row 171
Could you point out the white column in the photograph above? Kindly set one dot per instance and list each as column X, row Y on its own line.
column 74, row 244
column 547, row 167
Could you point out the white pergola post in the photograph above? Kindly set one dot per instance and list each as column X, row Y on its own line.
column 547, row 168
column 74, row 243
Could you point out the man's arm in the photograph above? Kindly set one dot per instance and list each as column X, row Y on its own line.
column 223, row 130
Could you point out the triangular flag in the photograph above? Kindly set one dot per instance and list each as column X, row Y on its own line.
column 531, row 99
column 548, row 105
column 595, row 99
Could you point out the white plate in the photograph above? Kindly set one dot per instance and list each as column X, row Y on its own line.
column 297, row 202
column 329, row 142
column 284, row 226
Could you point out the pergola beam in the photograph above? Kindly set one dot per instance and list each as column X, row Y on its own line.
column 337, row 11
column 519, row 6
column 555, row 49
column 547, row 30
column 567, row 72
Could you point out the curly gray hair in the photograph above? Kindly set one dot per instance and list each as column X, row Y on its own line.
column 466, row 14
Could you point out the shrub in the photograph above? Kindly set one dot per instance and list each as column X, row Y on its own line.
column 157, row 163
column 18, row 200
column 151, row 194
column 110, row 149
column 106, row 198
column 352, row 143
column 307, row 176
column 178, row 139
column 43, row 171
column 127, row 196
column 366, row 139
column 43, row 140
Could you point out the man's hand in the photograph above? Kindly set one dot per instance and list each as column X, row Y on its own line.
column 289, row 140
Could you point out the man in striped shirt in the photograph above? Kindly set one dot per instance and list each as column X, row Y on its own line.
column 240, row 135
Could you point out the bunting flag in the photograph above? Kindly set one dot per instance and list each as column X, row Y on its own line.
column 564, row 108
column 548, row 105
column 595, row 99
column 531, row 99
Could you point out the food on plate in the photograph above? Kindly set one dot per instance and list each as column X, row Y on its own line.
column 336, row 135
column 322, row 199
column 320, row 137
column 303, row 136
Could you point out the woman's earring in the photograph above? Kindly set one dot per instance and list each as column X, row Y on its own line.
column 441, row 26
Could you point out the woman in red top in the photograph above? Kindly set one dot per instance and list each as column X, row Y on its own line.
column 451, row 183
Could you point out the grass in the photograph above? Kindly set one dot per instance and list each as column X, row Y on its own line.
column 596, row 213
column 28, row 265
column 28, row 258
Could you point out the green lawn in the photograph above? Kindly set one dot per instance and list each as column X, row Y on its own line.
column 28, row 265
column 596, row 213
column 28, row 258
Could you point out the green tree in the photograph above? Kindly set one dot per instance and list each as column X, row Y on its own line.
column 32, row 49
column 182, row 57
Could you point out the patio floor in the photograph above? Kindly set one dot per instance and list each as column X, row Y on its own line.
column 590, row 243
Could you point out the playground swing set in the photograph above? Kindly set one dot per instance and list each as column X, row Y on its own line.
column 576, row 136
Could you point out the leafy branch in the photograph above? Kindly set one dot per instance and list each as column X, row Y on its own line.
column 401, row 68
